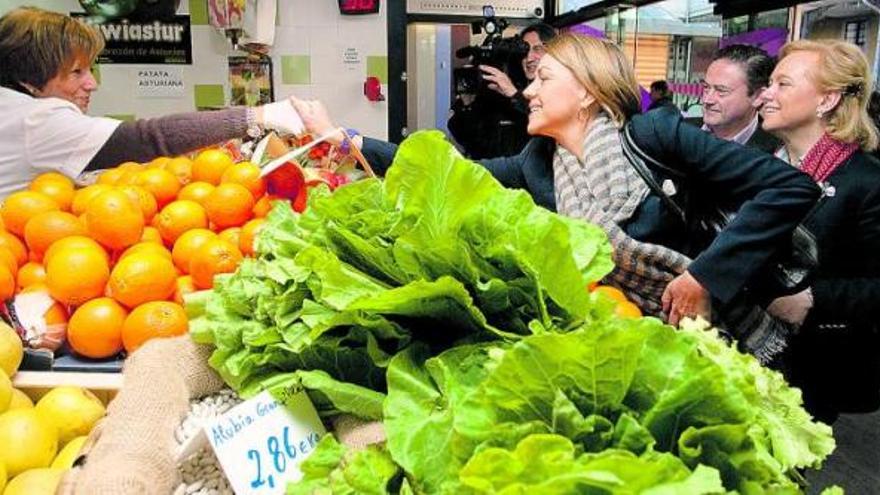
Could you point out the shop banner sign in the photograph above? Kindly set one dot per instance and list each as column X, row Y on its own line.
column 160, row 82
column 153, row 41
column 261, row 442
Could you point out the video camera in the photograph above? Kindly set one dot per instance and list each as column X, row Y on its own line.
column 505, row 54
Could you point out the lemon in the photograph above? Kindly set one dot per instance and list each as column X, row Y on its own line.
column 73, row 410
column 5, row 392
column 28, row 441
column 41, row 481
column 20, row 400
column 65, row 458
column 2, row 476
column 11, row 350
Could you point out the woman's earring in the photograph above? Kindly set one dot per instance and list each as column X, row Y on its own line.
column 819, row 113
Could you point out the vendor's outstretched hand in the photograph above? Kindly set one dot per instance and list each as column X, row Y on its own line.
column 684, row 296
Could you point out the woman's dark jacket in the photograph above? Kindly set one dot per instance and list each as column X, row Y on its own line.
column 771, row 197
column 835, row 357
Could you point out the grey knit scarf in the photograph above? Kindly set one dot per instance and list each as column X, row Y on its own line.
column 604, row 189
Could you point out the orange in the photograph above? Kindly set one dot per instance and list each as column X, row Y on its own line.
column 229, row 205
column 143, row 199
column 612, row 292
column 232, row 234
column 84, row 196
column 21, row 206
column 162, row 184
column 627, row 310
column 7, row 260
column 142, row 277
column 196, row 191
column 7, row 284
column 44, row 229
column 187, row 244
column 151, row 234
column 214, row 257
column 158, row 162
column 184, row 286
column 264, row 205
column 60, row 192
column 178, row 217
column 153, row 320
column 75, row 276
column 15, row 246
column 31, row 273
column 76, row 242
column 110, row 177
column 52, row 177
column 180, row 167
column 246, row 174
column 248, row 233
column 209, row 166
column 95, row 328
column 146, row 247
column 114, row 220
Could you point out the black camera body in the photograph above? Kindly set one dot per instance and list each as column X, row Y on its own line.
column 505, row 54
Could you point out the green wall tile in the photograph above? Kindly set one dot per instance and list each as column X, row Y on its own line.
column 377, row 66
column 198, row 12
column 296, row 69
column 209, row 95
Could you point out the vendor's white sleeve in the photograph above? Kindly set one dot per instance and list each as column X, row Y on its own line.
column 60, row 137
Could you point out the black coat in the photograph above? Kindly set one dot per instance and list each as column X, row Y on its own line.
column 835, row 357
column 770, row 196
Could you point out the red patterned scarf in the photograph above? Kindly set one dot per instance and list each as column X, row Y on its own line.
column 825, row 156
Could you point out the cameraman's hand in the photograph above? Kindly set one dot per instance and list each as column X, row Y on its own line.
column 498, row 81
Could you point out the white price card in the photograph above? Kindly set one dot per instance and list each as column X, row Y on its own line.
column 260, row 443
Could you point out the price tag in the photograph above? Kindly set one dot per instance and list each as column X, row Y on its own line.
column 260, row 443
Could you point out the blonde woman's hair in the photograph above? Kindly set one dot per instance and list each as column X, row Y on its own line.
column 37, row 45
column 842, row 68
column 603, row 70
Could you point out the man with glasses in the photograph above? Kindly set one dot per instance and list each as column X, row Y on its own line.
column 731, row 96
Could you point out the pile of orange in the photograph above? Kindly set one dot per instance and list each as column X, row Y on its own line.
column 119, row 256
column 623, row 308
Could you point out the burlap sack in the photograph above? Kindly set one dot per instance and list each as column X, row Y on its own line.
column 131, row 451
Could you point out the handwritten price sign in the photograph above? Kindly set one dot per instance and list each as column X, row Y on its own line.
column 260, row 443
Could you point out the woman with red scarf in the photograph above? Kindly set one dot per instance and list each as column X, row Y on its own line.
column 817, row 105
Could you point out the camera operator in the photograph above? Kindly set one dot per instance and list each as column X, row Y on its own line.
column 489, row 114
column 535, row 35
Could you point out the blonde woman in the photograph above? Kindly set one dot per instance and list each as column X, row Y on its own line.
column 817, row 105
column 584, row 93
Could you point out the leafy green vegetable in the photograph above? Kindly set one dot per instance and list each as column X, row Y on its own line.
column 455, row 311
column 332, row 469
column 548, row 464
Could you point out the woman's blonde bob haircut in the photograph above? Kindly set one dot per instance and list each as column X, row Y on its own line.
column 844, row 69
column 603, row 70
column 36, row 45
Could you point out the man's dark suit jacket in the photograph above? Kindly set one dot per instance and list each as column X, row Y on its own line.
column 770, row 196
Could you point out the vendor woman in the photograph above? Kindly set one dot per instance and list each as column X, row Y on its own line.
column 45, row 89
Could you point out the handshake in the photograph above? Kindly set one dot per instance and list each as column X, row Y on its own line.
column 295, row 116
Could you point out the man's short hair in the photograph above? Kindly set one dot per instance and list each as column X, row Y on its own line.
column 544, row 31
column 756, row 63
column 661, row 86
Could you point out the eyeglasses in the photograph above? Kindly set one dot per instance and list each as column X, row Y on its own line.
column 538, row 49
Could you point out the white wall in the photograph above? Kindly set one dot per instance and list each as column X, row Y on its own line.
column 310, row 28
